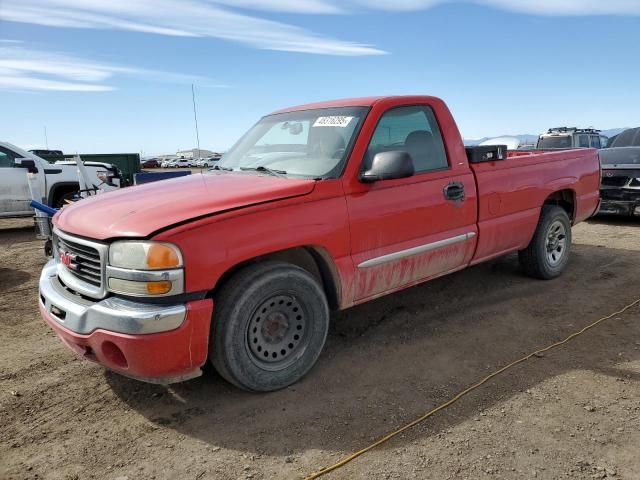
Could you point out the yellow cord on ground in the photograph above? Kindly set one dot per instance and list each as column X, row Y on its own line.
column 388, row 437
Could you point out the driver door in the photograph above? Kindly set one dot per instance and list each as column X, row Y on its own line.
column 15, row 198
column 407, row 230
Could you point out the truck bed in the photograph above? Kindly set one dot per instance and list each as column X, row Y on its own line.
column 512, row 190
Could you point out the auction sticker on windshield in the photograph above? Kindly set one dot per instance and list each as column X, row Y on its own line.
column 333, row 121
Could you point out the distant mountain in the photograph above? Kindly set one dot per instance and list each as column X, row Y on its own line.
column 613, row 131
column 532, row 139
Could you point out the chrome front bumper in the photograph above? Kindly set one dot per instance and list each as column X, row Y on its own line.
column 83, row 316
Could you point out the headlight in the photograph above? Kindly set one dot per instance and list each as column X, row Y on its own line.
column 144, row 255
column 141, row 268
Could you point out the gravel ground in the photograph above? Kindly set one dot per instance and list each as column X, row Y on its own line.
column 571, row 413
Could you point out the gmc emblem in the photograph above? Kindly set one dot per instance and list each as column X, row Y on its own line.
column 67, row 259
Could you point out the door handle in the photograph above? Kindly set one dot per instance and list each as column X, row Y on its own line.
column 454, row 191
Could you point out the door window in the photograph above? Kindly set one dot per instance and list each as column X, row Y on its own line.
column 7, row 158
column 414, row 130
column 595, row 141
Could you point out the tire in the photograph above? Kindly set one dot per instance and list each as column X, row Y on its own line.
column 269, row 326
column 548, row 253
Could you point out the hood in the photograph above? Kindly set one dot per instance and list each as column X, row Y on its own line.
column 141, row 210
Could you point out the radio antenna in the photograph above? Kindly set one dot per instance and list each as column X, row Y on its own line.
column 195, row 117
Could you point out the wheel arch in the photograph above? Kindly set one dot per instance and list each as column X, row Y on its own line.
column 314, row 259
column 61, row 188
column 566, row 199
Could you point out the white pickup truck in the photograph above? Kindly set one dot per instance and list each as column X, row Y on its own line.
column 56, row 182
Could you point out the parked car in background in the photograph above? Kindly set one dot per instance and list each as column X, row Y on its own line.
column 150, row 163
column 620, row 189
column 181, row 163
column 56, row 182
column 571, row 137
column 166, row 162
column 207, row 162
column 357, row 199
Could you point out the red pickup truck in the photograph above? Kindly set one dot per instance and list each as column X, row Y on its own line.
column 317, row 207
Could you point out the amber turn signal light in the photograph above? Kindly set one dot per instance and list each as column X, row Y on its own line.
column 159, row 288
column 162, row 256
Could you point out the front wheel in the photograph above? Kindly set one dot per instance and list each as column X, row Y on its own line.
column 269, row 326
column 548, row 253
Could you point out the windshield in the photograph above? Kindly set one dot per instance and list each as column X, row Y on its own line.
column 310, row 143
column 563, row 141
column 620, row 156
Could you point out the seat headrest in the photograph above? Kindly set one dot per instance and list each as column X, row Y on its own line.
column 421, row 147
column 419, row 138
column 330, row 142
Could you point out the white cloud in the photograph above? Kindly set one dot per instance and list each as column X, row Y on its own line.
column 399, row 5
column 24, row 82
column 229, row 19
column 198, row 18
column 537, row 7
column 32, row 70
column 568, row 7
column 292, row 6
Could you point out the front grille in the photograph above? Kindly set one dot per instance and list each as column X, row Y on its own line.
column 615, row 181
column 85, row 261
column 81, row 263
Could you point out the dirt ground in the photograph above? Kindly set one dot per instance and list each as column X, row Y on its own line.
column 572, row 413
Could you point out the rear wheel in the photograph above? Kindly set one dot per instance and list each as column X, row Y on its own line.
column 269, row 326
column 548, row 253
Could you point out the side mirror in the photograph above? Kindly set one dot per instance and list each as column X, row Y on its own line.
column 389, row 165
column 27, row 163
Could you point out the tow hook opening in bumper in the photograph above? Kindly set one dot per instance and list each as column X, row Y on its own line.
column 58, row 312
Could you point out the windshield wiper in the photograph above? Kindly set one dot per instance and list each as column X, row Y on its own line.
column 270, row 171
column 218, row 167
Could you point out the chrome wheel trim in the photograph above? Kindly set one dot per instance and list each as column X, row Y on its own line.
column 556, row 243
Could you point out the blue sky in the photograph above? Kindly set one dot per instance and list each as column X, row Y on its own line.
column 115, row 75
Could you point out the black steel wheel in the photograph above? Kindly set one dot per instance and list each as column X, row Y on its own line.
column 269, row 325
column 276, row 334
